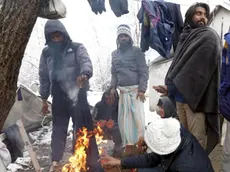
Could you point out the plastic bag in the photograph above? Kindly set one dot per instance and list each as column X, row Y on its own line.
column 52, row 9
column 4, row 154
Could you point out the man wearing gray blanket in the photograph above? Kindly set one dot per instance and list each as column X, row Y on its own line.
column 192, row 79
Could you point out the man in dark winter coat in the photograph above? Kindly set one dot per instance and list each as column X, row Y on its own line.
column 62, row 64
column 106, row 114
column 130, row 75
column 171, row 148
column 192, row 79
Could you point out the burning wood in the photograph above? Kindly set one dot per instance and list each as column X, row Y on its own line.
column 77, row 162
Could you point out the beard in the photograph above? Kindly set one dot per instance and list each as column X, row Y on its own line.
column 124, row 44
column 197, row 24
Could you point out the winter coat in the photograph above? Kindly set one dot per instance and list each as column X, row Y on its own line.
column 160, row 30
column 75, row 61
column 224, row 90
column 176, row 18
column 189, row 157
column 103, row 111
column 129, row 68
column 119, row 7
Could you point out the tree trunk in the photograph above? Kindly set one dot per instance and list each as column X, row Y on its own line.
column 17, row 19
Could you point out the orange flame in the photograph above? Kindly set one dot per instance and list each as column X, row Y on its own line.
column 77, row 162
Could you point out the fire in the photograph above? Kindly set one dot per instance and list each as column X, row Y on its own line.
column 77, row 162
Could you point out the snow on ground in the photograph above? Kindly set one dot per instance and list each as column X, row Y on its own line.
column 13, row 167
column 42, row 137
column 94, row 97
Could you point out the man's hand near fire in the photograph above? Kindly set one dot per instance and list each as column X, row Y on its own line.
column 81, row 80
column 110, row 123
column 108, row 162
column 102, row 123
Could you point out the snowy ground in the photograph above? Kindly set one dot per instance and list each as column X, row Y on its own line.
column 42, row 139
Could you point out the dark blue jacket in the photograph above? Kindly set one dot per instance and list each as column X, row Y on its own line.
column 189, row 157
column 161, row 26
column 157, row 33
column 224, row 101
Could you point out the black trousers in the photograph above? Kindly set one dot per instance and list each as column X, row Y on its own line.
column 62, row 109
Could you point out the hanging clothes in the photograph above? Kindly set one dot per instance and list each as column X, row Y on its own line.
column 119, row 7
column 224, row 90
column 97, row 6
column 176, row 18
column 160, row 29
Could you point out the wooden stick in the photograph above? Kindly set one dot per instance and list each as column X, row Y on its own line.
column 28, row 146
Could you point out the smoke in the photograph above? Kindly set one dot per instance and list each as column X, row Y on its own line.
column 69, row 85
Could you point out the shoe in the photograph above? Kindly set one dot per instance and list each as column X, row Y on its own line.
column 55, row 167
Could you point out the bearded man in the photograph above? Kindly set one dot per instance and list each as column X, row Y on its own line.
column 192, row 79
column 130, row 75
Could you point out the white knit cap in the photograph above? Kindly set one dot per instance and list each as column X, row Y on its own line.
column 124, row 29
column 163, row 135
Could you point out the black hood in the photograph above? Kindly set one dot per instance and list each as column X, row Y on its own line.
column 107, row 93
column 103, row 98
column 169, row 109
column 52, row 26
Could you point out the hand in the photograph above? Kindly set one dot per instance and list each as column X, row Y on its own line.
column 95, row 122
column 45, row 107
column 109, row 162
column 101, row 123
column 81, row 80
column 161, row 89
column 113, row 95
column 141, row 96
column 110, row 124
column 142, row 145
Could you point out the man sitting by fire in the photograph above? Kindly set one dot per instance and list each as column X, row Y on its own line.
column 170, row 148
column 105, row 115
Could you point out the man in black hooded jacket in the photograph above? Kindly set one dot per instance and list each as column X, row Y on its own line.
column 63, row 63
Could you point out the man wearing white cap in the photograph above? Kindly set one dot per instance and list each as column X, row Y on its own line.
column 130, row 75
column 171, row 148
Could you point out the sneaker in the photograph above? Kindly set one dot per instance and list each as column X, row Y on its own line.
column 55, row 167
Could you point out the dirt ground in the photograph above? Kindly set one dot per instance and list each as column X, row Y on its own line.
column 43, row 152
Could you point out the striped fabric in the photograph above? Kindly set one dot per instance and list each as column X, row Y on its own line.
column 131, row 117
